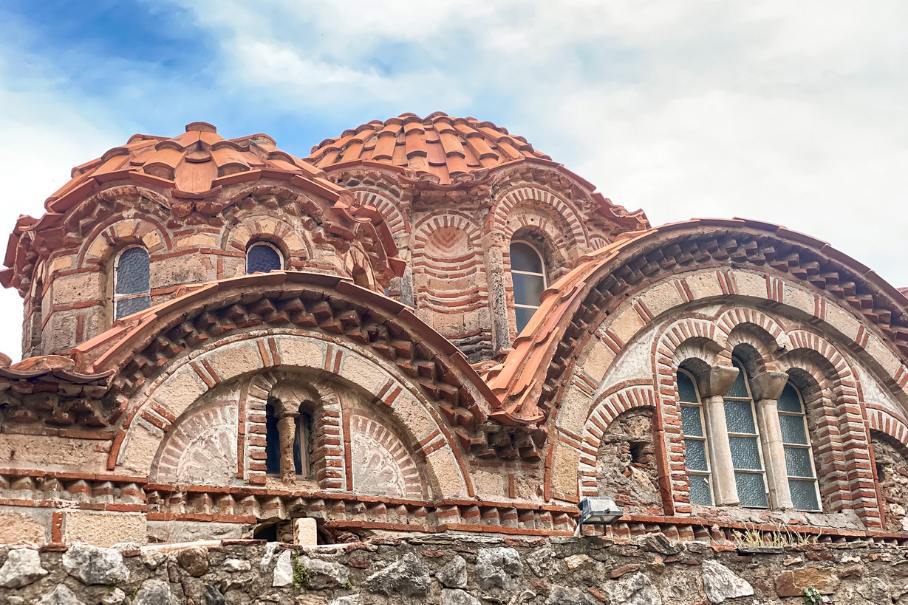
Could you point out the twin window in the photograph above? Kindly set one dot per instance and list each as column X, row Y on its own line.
column 747, row 444
column 302, row 443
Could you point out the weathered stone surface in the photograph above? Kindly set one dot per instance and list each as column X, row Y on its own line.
column 114, row 597
column 563, row 595
column 194, row 561
column 318, row 574
column 283, row 570
column 60, row 595
column 406, row 576
column 456, row 596
column 793, row 583
column 213, row 596
column 235, row 565
column 353, row 599
column 635, row 589
column 721, row 583
column 22, row 567
column 540, row 561
column 94, row 565
column 155, row 592
column 498, row 568
column 454, row 573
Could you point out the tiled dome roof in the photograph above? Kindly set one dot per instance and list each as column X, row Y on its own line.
column 192, row 162
column 438, row 144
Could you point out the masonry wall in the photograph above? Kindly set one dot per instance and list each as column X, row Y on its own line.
column 457, row 570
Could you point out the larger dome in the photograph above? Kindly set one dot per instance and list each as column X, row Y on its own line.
column 438, row 144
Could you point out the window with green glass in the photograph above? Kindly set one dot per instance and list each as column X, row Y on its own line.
column 799, row 464
column 744, row 441
column 696, row 450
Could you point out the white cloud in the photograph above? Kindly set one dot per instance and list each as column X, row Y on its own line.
column 787, row 112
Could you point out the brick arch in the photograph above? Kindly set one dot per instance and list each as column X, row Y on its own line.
column 198, row 448
column 604, row 411
column 111, row 235
column 382, row 464
column 449, row 279
column 508, row 202
column 187, row 379
column 884, row 421
column 261, row 225
column 748, row 326
column 390, row 209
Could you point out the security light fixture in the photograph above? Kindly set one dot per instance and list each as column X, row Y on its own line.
column 600, row 510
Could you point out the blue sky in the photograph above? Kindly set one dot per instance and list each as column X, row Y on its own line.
column 792, row 113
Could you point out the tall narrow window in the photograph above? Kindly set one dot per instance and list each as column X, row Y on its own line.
column 528, row 277
column 37, row 323
column 272, row 441
column 696, row 459
column 262, row 257
column 744, row 441
column 302, row 445
column 802, row 476
column 131, row 282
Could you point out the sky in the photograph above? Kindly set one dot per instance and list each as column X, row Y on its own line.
column 788, row 112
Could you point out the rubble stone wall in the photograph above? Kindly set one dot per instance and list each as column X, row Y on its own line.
column 457, row 570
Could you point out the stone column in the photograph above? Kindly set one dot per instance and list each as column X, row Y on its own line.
column 767, row 388
column 286, row 429
column 713, row 386
column 498, row 306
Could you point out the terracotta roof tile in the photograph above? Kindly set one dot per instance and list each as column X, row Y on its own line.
column 451, row 145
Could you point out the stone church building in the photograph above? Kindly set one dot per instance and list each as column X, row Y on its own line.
column 427, row 325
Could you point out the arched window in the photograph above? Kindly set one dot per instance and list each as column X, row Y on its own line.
column 529, row 280
column 272, row 441
column 696, row 445
column 131, row 282
column 262, row 257
column 302, row 445
column 802, row 476
column 744, row 442
column 302, row 441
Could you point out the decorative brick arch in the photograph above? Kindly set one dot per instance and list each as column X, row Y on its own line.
column 449, row 279
column 606, row 409
column 737, row 321
column 116, row 232
column 508, row 201
column 271, row 227
column 884, row 421
column 189, row 378
column 200, row 447
column 381, row 464
column 390, row 209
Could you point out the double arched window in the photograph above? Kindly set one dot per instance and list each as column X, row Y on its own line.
column 131, row 287
column 529, row 280
column 301, row 425
column 763, row 447
column 262, row 257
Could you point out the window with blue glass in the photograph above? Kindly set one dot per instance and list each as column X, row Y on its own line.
column 132, row 292
column 799, row 464
column 262, row 257
column 529, row 281
column 696, row 446
column 744, row 441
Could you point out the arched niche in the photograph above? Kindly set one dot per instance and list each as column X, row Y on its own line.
column 190, row 379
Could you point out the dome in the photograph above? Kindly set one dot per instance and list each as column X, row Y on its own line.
column 439, row 145
column 194, row 162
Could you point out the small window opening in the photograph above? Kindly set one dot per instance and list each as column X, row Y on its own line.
column 272, row 441
column 132, row 292
column 262, row 257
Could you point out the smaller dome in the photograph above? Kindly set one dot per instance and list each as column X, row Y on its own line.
column 438, row 144
column 191, row 162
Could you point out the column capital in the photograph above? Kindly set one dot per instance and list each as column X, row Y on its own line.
column 768, row 385
column 716, row 381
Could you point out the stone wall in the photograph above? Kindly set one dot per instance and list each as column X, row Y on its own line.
column 456, row 570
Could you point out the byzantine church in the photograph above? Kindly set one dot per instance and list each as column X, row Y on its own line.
column 427, row 325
